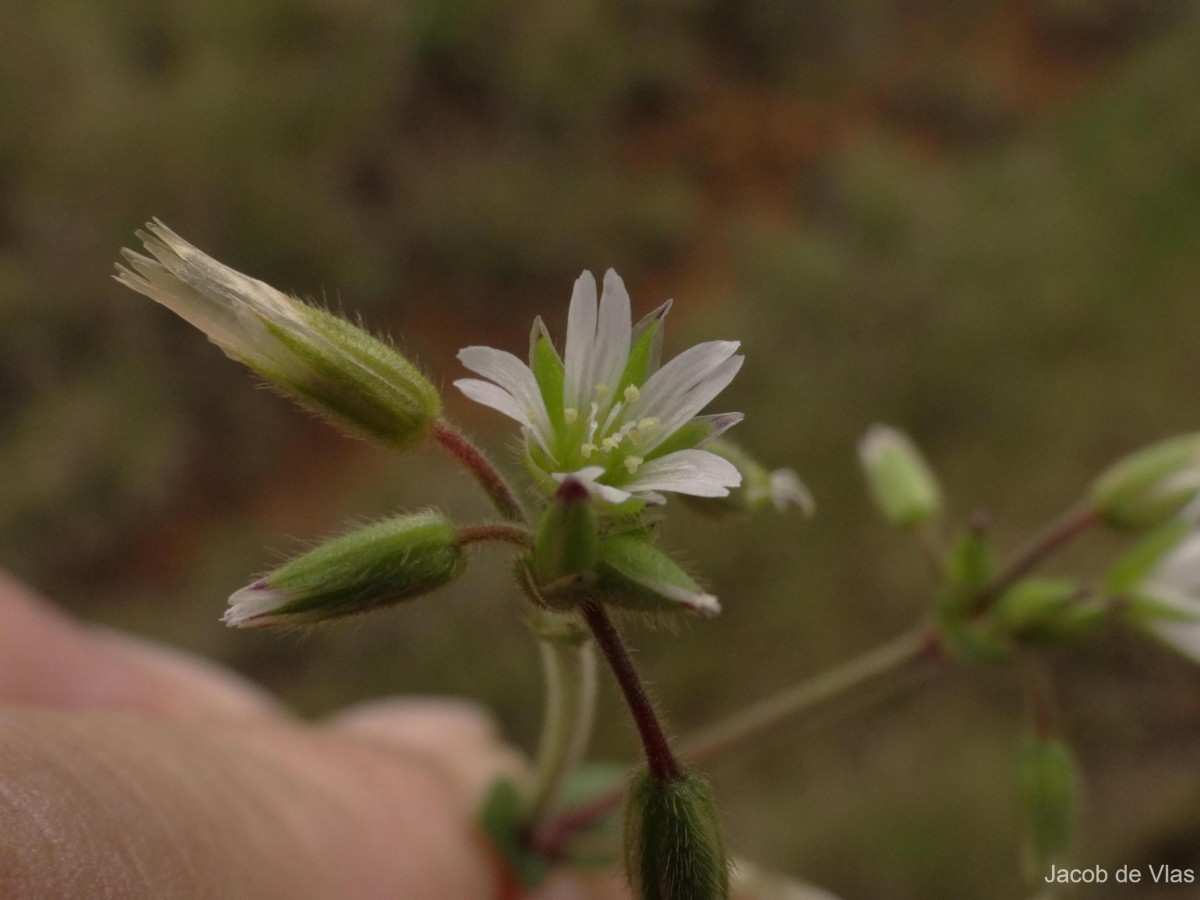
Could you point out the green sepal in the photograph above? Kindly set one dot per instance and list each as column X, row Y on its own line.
column 674, row 849
column 547, row 369
column 1150, row 486
column 1032, row 606
column 1133, row 566
column 634, row 574
column 1141, row 606
column 355, row 380
column 969, row 567
column 1049, row 798
column 501, row 818
column 978, row 644
column 644, row 350
column 565, row 545
column 690, row 434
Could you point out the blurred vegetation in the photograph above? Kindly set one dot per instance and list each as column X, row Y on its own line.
column 978, row 222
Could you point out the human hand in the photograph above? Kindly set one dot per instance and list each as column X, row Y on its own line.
column 130, row 770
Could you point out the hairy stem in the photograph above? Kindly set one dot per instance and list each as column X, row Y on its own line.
column 509, row 534
column 570, row 671
column 660, row 760
column 765, row 714
column 472, row 459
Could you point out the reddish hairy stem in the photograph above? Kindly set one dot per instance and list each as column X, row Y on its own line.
column 468, row 456
column 659, row 759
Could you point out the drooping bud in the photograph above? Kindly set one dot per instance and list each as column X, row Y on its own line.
column 674, row 849
column 1151, row 486
column 1049, row 797
column 635, row 574
column 904, row 487
column 565, row 545
column 760, row 488
column 366, row 569
column 320, row 360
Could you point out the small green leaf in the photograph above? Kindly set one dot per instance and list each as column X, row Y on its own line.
column 501, row 820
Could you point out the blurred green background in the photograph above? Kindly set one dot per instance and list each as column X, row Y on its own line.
column 979, row 222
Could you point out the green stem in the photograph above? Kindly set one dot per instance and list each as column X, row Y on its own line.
column 570, row 671
column 771, row 711
column 919, row 643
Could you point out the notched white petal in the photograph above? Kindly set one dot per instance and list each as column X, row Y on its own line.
column 252, row 605
column 695, row 472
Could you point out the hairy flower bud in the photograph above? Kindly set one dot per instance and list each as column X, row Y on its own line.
column 904, row 487
column 674, row 849
column 320, row 360
column 372, row 567
column 564, row 548
column 1150, row 486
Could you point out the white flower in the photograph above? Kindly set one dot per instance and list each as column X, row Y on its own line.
column 604, row 411
column 1175, row 585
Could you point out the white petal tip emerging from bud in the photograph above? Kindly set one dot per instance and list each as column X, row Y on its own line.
column 251, row 606
column 705, row 605
column 787, row 489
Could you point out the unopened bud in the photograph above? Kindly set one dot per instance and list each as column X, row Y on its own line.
column 674, row 849
column 373, row 567
column 1037, row 607
column 760, row 488
column 635, row 574
column 565, row 546
column 320, row 360
column 1047, row 780
column 1152, row 485
column 903, row 485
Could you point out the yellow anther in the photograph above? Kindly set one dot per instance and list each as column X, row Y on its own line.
column 632, row 393
column 635, row 438
column 570, row 415
column 587, row 450
column 632, row 463
column 610, row 443
column 603, row 390
column 648, row 425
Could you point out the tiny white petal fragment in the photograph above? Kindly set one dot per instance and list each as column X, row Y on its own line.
column 788, row 490
column 251, row 604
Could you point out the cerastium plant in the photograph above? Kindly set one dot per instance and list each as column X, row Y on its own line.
column 608, row 431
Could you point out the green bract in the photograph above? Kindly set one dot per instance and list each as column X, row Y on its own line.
column 373, row 567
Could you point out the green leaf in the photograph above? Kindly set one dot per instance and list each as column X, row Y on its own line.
column 501, row 820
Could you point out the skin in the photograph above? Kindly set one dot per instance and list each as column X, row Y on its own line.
column 130, row 770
